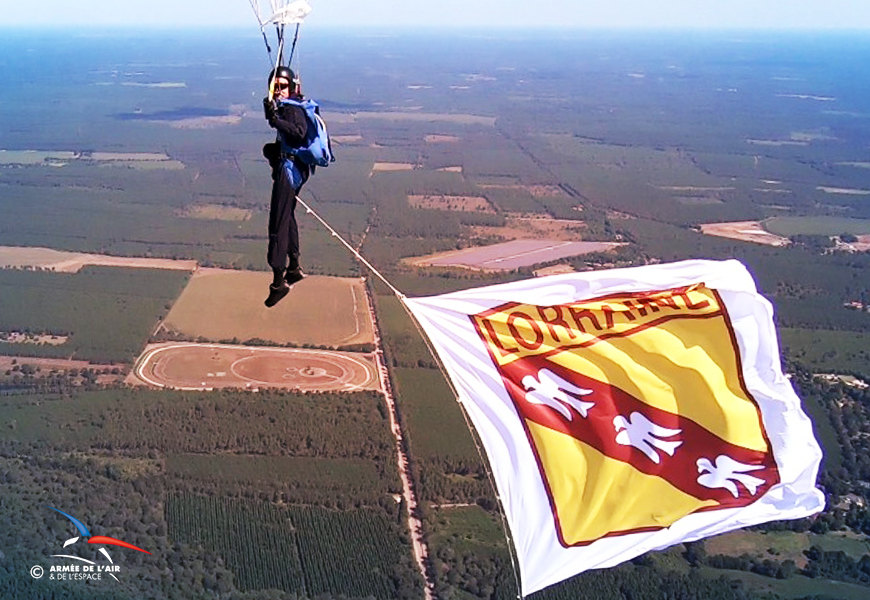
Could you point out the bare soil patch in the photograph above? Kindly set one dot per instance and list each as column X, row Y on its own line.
column 236, row 113
column 511, row 255
column 747, row 231
column 222, row 304
column 555, row 270
column 215, row 212
column 843, row 191
column 204, row 122
column 346, row 139
column 440, row 139
column 72, row 262
column 454, row 203
column 17, row 337
column 863, row 243
column 387, row 166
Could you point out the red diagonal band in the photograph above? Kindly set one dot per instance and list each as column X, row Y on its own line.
column 101, row 539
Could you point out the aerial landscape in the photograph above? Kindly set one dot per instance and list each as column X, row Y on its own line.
column 315, row 450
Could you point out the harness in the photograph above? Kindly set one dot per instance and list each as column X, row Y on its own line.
column 316, row 149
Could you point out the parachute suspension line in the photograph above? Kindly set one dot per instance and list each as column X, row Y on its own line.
column 279, row 34
column 353, row 250
column 255, row 7
column 443, row 369
column 274, row 68
column 293, row 48
column 268, row 48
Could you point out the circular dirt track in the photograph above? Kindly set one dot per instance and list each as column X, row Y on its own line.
column 210, row 366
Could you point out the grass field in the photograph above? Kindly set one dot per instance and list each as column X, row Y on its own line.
column 398, row 329
column 794, row 587
column 787, row 226
column 855, row 545
column 780, row 546
column 776, row 545
column 223, row 305
column 826, row 351
column 467, row 528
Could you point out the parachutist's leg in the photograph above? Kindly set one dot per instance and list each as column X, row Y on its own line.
column 292, row 235
column 280, row 217
column 282, row 221
column 277, row 277
column 294, row 272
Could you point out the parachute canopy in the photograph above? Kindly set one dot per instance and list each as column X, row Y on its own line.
column 280, row 12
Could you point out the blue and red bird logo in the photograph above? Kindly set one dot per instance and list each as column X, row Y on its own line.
column 86, row 536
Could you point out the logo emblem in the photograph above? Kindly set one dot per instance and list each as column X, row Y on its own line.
column 641, row 393
column 91, row 568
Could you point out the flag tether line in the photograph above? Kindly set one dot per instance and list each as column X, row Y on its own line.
column 443, row 370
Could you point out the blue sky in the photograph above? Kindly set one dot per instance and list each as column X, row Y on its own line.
column 788, row 14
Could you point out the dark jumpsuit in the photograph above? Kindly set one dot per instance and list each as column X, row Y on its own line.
column 292, row 126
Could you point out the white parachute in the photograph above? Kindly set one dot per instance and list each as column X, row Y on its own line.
column 280, row 13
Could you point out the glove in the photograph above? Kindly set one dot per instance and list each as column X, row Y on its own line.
column 269, row 109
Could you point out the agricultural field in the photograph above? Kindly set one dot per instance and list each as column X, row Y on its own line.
column 433, row 415
column 458, row 203
column 747, row 231
column 58, row 261
column 106, row 313
column 216, row 212
column 759, row 544
column 268, row 423
column 509, row 256
column 219, row 305
column 534, row 227
column 329, row 476
column 466, row 528
column 788, row 226
column 310, row 550
column 827, row 351
column 191, row 506
column 797, row 587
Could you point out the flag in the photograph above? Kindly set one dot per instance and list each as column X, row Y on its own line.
column 626, row 410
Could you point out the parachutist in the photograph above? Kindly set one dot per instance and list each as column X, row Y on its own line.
column 289, row 174
column 302, row 144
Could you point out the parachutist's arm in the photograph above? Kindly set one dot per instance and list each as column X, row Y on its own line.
column 291, row 123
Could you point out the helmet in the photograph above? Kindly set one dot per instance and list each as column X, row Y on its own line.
column 284, row 73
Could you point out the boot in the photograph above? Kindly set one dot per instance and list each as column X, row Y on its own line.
column 293, row 276
column 276, row 293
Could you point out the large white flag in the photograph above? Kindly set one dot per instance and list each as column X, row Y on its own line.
column 626, row 410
